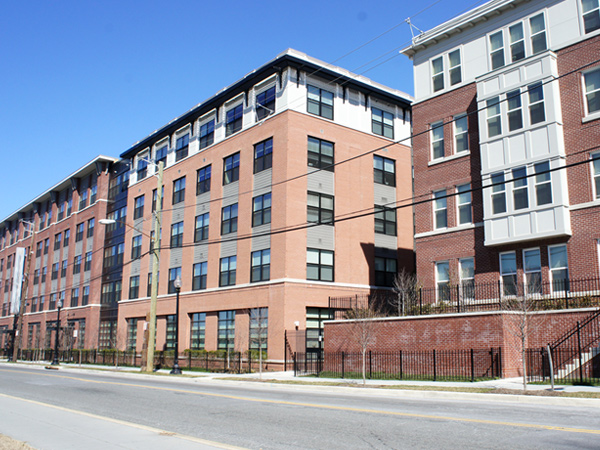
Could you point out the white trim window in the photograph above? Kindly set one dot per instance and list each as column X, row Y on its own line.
column 437, row 74
column 536, row 103
column 559, row 267
column 591, row 15
column 437, row 140
column 508, row 273
column 464, row 204
column 382, row 123
column 440, row 210
column 517, row 42
column 543, row 183
column 497, row 50
column 467, row 278
column 454, row 67
column 591, row 84
column 494, row 119
column 537, row 26
column 442, row 280
column 515, row 113
column 596, row 174
column 532, row 266
column 498, row 193
column 461, row 133
column 520, row 190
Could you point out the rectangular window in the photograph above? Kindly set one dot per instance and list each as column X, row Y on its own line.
column 498, row 193
column 203, row 180
column 384, row 170
column 161, row 155
column 44, row 273
column 442, row 280
column 454, row 64
column 233, row 120
column 265, row 103
column 142, row 168
column 83, row 198
column 63, row 269
column 66, row 237
column 207, row 134
column 54, row 274
column 532, row 266
column 261, row 266
column 517, row 42
column 199, row 276
column 227, row 273
column 226, row 334
column 385, row 220
column 88, row 261
column 138, row 210
column 319, row 264
column 263, row 155
column 178, row 190
column 90, row 227
column 181, row 147
column 596, row 174
column 464, row 204
column 174, row 273
column 508, row 273
column 231, row 169
column 170, row 332
column 79, row 232
column 543, row 183
column 520, row 191
column 497, row 50
column 177, row 235
column 382, row 123
column 261, row 210
column 591, row 15
column 467, row 278
column 494, row 121
column 538, row 34
column 320, row 102
column 136, row 247
column 149, row 287
column 461, row 134
column 385, row 271
column 57, row 241
column 559, row 267
column 536, row 103
column 320, row 208
column 259, row 329
column 440, row 209
column 38, row 250
column 61, row 212
column 36, row 277
column 154, row 198
column 515, row 115
column 132, row 325
column 198, row 331
column 320, row 154
column 437, row 74
column 229, row 217
column 201, row 230
column 85, row 297
column 77, row 265
column 437, row 140
column 134, row 286
column 592, row 91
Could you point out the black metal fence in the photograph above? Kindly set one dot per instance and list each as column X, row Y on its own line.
column 435, row 365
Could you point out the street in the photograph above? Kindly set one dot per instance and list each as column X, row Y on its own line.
column 204, row 413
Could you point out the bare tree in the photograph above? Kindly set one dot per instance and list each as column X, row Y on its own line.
column 406, row 288
column 259, row 328
column 362, row 329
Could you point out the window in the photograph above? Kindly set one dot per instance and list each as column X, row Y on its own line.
column 231, row 169
column 233, row 120
column 63, row 269
column 385, row 220
column 494, row 121
column 38, row 250
column 177, row 235
column 54, row 274
column 437, row 140
column 142, row 167
column 520, row 194
column 170, row 332
column 85, row 297
column 498, row 193
column 198, row 331
column 467, row 278
column 138, row 210
column 161, row 155
column 79, row 232
column 497, row 50
column 90, row 229
column 382, row 123
column 66, row 238
column 207, row 134
column 533, row 271
column 440, row 210
column 77, row 265
column 543, row 183
column 320, row 208
column 259, row 326
column 261, row 266
column 508, row 273
column 261, row 210
column 182, row 146
column 265, row 103
column 229, row 216
column 442, row 280
column 517, row 42
column 515, row 115
column 174, row 273
column 179, row 190
column 536, row 103
column 464, row 204
column 88, row 261
column 384, row 170
column 113, row 256
column 538, row 34
column 592, row 91
column 132, row 333
column 454, row 64
column 320, row 102
column 201, row 231
column 320, row 154
column 385, row 271
column 69, row 203
column 83, row 198
column 263, row 155
column 226, row 335
column 136, row 247
column 36, row 277
column 461, row 134
column 319, row 264
column 162, row 198
column 57, row 241
column 149, row 287
column 437, row 74
column 559, row 267
column 203, row 180
column 591, row 15
column 61, row 212
column 199, row 276
column 44, row 273
column 596, row 174
column 227, row 274
column 74, row 297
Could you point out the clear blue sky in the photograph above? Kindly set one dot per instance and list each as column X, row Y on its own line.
column 80, row 78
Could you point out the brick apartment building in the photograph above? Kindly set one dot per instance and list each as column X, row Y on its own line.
column 507, row 148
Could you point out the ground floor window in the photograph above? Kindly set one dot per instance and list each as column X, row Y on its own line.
column 132, row 325
column 314, row 327
column 198, row 331
column 559, row 267
column 226, row 340
column 108, row 334
column 259, row 327
column 508, row 273
column 442, row 281
column 171, row 332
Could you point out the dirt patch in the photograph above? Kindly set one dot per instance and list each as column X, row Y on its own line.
column 7, row 443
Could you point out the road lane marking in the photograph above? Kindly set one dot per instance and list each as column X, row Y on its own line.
column 330, row 407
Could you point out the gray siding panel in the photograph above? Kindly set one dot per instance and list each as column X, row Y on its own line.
column 200, row 253
column 321, row 181
column 384, row 194
column 262, row 181
column 261, row 242
column 229, row 248
column 322, row 237
column 385, row 241
column 230, row 193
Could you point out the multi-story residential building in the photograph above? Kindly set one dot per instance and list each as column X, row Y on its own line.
column 278, row 193
column 59, row 231
column 506, row 147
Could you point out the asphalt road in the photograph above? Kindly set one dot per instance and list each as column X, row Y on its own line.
column 207, row 413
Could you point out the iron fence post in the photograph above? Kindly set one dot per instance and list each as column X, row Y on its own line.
column 343, row 372
column 579, row 350
column 434, row 367
column 458, row 298
column 401, row 371
column 566, row 296
column 472, row 367
column 420, row 301
column 370, row 365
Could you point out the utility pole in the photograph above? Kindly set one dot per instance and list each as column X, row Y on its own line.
column 155, row 262
column 19, row 329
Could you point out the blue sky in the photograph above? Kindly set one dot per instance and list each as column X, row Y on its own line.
column 82, row 78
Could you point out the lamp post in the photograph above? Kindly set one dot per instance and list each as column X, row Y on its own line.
column 176, row 369
column 55, row 359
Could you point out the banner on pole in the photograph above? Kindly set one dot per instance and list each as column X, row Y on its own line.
column 19, row 265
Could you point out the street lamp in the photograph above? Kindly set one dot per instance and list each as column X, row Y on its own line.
column 55, row 359
column 176, row 370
